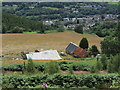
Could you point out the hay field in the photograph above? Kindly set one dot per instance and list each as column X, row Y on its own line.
column 13, row 44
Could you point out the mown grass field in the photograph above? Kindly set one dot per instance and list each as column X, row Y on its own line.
column 14, row 44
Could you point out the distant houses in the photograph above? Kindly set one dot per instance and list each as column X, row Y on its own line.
column 48, row 22
column 88, row 21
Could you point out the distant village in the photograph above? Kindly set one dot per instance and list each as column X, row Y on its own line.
column 87, row 21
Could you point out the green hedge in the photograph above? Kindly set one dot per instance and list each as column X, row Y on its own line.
column 65, row 81
column 41, row 67
column 20, row 67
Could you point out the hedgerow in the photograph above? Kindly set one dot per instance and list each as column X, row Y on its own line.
column 41, row 67
column 64, row 81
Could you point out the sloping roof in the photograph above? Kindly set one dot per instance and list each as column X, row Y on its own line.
column 44, row 55
column 80, row 52
column 71, row 48
column 74, row 50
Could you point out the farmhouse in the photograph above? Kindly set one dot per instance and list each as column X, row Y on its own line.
column 44, row 55
column 76, row 51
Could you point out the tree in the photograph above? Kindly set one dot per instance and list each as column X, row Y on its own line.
column 98, row 65
column 79, row 29
column 110, row 46
column 104, row 62
column 114, row 64
column 17, row 30
column 61, row 28
column 93, row 50
column 52, row 68
column 30, row 66
column 4, row 29
column 84, row 43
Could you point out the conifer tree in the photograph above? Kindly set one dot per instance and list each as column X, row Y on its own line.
column 84, row 43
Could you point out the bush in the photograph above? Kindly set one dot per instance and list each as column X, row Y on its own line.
column 93, row 50
column 61, row 29
column 93, row 69
column 52, row 68
column 64, row 67
column 30, row 68
column 98, row 65
column 17, row 67
column 81, row 67
column 40, row 68
column 71, row 69
column 104, row 62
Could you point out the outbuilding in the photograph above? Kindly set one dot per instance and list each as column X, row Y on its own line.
column 76, row 51
column 44, row 55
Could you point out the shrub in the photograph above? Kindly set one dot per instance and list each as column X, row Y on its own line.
column 40, row 68
column 17, row 67
column 104, row 61
column 93, row 50
column 93, row 69
column 81, row 67
column 61, row 28
column 64, row 67
column 98, row 65
column 71, row 69
column 30, row 68
column 52, row 68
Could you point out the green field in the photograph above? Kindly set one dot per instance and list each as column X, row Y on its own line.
column 114, row 3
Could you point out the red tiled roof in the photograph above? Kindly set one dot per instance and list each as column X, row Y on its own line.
column 80, row 52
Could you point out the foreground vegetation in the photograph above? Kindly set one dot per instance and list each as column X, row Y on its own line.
column 62, row 81
column 63, row 65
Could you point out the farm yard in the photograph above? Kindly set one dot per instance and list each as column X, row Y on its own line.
column 14, row 44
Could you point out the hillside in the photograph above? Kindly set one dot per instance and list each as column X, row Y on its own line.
column 13, row 44
column 10, row 21
column 58, row 10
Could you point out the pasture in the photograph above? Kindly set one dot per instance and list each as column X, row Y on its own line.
column 14, row 44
